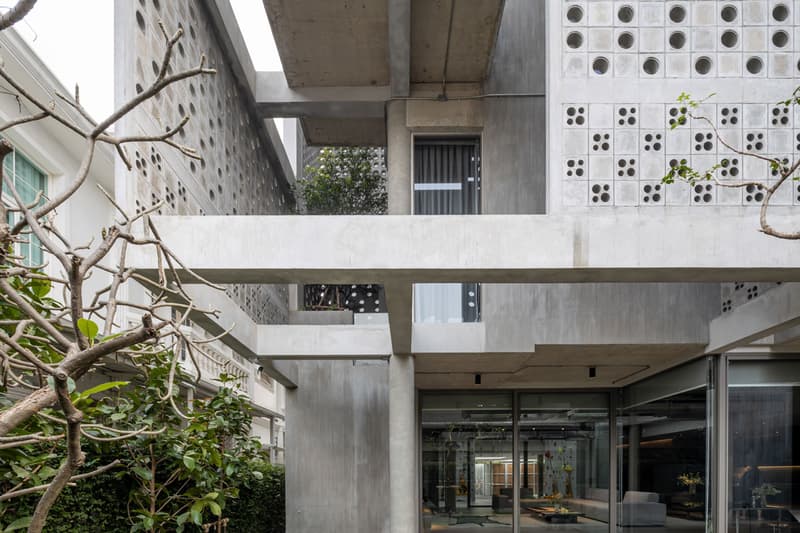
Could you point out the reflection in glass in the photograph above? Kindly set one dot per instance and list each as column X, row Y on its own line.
column 563, row 441
column 467, row 473
column 663, row 459
column 764, row 447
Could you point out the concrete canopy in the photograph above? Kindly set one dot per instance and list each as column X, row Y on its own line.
column 391, row 44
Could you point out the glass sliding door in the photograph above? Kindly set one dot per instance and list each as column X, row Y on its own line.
column 467, row 466
column 564, row 461
column 764, row 446
column 664, row 456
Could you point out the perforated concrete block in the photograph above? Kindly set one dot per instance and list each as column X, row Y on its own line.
column 601, row 39
column 681, row 16
column 601, row 167
column 651, row 193
column 780, row 38
column 626, row 65
column 703, row 193
column 626, row 40
column 652, row 116
column 574, row 193
column 575, row 65
column 626, row 193
column 701, row 163
column 794, row 188
column 783, row 195
column 574, row 116
column 627, row 8
column 730, row 65
column 651, row 13
column 781, row 11
column 781, row 65
column 626, row 167
column 651, row 65
column 601, row 194
column 677, row 194
column 755, row 115
column 601, row 116
column 754, row 12
column 754, row 39
column 678, row 65
column 626, row 115
column 575, row 142
column 574, row 13
column 678, row 141
column 704, row 65
column 780, row 140
column 601, row 142
column 600, row 13
column 704, row 13
column 575, row 40
column 626, row 142
column 574, row 168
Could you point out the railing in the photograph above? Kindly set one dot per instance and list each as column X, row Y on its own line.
column 215, row 359
column 355, row 298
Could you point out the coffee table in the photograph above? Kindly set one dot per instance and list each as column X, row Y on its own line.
column 554, row 516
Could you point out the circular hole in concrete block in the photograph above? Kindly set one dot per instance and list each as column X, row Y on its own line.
column 677, row 14
column 780, row 12
column 703, row 65
column 729, row 39
column 600, row 65
column 625, row 14
column 575, row 39
column 780, row 38
column 625, row 40
column 575, row 14
column 651, row 66
column 677, row 40
column 754, row 65
column 729, row 13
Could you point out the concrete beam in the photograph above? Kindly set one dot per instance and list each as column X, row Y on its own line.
column 400, row 46
column 399, row 303
column 773, row 311
column 243, row 337
column 274, row 98
column 323, row 342
column 705, row 247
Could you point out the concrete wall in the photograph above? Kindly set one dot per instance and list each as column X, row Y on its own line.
column 337, row 442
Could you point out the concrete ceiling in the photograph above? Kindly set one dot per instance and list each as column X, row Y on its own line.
column 551, row 366
column 474, row 30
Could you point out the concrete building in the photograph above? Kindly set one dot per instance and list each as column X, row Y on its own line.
column 569, row 343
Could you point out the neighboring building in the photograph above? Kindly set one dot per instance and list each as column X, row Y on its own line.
column 576, row 345
column 45, row 158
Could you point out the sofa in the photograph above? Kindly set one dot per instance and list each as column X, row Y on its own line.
column 637, row 508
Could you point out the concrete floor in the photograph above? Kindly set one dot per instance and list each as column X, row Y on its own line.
column 529, row 524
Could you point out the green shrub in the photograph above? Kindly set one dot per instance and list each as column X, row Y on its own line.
column 261, row 505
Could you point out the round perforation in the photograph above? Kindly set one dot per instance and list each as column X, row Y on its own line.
column 575, row 39
column 753, row 194
column 780, row 39
column 754, row 142
column 652, row 193
column 626, row 116
column 780, row 115
column 652, row 142
column 575, row 168
column 729, row 116
column 728, row 13
column 703, row 142
column 780, row 12
column 600, row 65
column 776, row 171
column 677, row 14
column 651, row 66
column 625, row 40
column 677, row 40
column 703, row 193
column 575, row 14
column 626, row 168
column 729, row 39
column 601, row 142
column 703, row 65
column 601, row 193
column 677, row 115
column 754, row 65
column 729, row 168
column 625, row 14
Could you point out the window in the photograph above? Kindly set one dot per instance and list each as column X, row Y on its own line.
column 28, row 180
column 447, row 182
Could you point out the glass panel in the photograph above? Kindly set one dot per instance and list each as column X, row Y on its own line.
column 664, row 464
column 764, row 447
column 466, row 461
column 28, row 181
column 564, row 461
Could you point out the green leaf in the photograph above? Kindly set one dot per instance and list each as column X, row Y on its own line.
column 142, row 472
column 216, row 510
column 116, row 417
column 182, row 518
column 189, row 461
column 211, row 496
column 19, row 471
column 19, row 523
column 197, row 512
column 258, row 475
column 70, row 385
column 102, row 388
column 88, row 328
column 40, row 287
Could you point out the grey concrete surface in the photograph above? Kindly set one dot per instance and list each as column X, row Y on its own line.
column 337, row 448
column 403, row 470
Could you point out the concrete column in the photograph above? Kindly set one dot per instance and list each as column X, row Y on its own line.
column 404, row 513
column 634, row 436
column 398, row 159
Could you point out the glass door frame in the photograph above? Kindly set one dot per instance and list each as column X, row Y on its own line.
column 613, row 435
